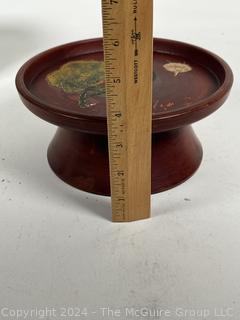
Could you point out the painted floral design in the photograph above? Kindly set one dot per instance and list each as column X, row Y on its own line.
column 177, row 68
column 85, row 79
column 81, row 81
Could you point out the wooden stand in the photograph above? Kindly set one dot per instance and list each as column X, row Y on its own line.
column 189, row 83
column 81, row 159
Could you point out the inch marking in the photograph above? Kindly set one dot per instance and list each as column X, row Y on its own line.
column 126, row 24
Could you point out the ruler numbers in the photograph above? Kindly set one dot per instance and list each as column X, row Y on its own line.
column 121, row 36
column 116, row 123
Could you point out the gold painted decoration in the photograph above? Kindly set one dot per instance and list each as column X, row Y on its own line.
column 177, row 68
column 84, row 78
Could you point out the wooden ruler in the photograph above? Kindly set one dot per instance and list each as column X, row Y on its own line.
column 128, row 54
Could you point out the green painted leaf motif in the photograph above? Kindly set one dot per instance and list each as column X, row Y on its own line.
column 83, row 77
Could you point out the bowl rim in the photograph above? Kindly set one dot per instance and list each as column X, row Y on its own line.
column 218, row 95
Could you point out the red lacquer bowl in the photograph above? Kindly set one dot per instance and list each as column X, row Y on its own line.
column 65, row 86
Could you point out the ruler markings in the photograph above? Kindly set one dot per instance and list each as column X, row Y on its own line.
column 128, row 63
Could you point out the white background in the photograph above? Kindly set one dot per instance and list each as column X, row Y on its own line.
column 58, row 246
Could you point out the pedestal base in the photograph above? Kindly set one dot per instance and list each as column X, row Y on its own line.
column 81, row 159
